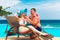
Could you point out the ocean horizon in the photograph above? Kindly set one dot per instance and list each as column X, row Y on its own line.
column 41, row 21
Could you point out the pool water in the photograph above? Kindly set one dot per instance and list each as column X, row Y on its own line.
column 55, row 31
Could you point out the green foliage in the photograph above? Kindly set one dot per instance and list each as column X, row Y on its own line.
column 0, row 7
column 4, row 12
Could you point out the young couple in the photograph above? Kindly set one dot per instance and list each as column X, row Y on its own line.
column 31, row 23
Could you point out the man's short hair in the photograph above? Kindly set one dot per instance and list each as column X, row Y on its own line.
column 33, row 9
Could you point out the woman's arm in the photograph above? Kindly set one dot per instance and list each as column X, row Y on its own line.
column 17, row 18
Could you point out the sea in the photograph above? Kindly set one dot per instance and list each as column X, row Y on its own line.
column 50, row 26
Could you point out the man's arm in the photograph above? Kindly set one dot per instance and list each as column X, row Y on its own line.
column 34, row 21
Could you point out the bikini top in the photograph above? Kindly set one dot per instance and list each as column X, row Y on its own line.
column 21, row 22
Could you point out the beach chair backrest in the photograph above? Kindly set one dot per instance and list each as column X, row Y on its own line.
column 13, row 23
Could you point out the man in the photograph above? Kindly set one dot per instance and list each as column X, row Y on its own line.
column 34, row 19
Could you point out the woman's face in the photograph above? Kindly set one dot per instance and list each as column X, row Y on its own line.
column 22, row 15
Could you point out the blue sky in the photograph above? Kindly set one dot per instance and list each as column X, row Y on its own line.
column 47, row 9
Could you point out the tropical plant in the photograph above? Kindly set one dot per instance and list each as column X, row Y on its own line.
column 3, row 12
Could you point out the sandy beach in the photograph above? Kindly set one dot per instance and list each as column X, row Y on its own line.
column 24, row 38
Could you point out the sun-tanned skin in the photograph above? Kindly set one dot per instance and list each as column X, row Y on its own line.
column 24, row 29
column 34, row 19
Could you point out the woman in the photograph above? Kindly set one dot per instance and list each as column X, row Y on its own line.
column 22, row 22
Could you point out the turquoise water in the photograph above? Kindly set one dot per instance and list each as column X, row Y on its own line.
column 50, row 28
column 2, row 30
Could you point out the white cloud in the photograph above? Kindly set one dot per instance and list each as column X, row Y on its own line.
column 7, row 3
column 50, row 10
column 51, row 6
column 47, row 6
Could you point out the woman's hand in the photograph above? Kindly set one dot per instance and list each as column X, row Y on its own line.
column 26, row 17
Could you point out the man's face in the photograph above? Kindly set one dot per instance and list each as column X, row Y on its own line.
column 32, row 11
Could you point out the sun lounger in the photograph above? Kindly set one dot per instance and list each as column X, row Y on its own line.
column 14, row 27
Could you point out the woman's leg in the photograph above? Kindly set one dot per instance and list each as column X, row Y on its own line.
column 34, row 30
column 24, row 30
